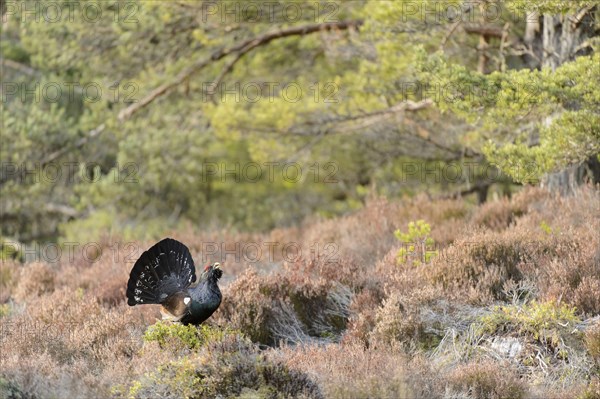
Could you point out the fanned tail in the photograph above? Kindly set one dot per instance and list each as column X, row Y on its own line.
column 162, row 271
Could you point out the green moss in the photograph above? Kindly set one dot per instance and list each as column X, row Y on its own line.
column 546, row 322
column 4, row 310
column 191, row 337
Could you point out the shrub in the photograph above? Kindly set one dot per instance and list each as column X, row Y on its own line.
column 292, row 307
column 486, row 380
column 36, row 279
column 404, row 318
column 477, row 268
column 572, row 272
column 592, row 341
column 225, row 365
column 362, row 314
column 499, row 215
column 351, row 370
column 586, row 296
column 416, row 244
column 181, row 336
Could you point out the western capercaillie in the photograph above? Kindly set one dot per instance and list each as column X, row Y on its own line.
column 164, row 275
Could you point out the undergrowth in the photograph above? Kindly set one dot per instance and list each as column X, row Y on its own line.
column 507, row 304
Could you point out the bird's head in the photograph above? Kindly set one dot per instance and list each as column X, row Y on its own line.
column 213, row 271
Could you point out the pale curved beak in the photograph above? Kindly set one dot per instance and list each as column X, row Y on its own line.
column 217, row 265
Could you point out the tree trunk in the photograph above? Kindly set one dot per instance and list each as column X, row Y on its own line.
column 565, row 37
column 567, row 180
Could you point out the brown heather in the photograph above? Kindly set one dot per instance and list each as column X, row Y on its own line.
column 35, row 280
column 487, row 380
column 351, row 370
column 592, row 340
column 508, row 308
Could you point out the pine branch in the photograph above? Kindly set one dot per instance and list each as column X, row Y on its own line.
column 239, row 50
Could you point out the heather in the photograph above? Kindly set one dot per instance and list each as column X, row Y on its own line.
column 503, row 312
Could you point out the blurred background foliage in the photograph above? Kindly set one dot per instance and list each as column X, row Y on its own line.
column 112, row 121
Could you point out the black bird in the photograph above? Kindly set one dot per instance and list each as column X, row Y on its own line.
column 163, row 275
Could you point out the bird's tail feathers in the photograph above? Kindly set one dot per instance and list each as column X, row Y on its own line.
column 162, row 271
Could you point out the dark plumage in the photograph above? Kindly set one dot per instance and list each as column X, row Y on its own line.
column 163, row 275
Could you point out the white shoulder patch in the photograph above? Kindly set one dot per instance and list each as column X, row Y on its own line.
column 187, row 300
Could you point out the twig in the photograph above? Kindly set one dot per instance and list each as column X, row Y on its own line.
column 449, row 34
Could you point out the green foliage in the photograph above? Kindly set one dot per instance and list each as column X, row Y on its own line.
column 547, row 228
column 416, row 243
column 179, row 335
column 557, row 108
column 4, row 310
column 418, row 231
column 550, row 6
column 547, row 322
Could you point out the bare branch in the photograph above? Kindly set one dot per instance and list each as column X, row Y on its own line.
column 78, row 144
column 241, row 49
column 483, row 30
column 17, row 66
column 62, row 209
